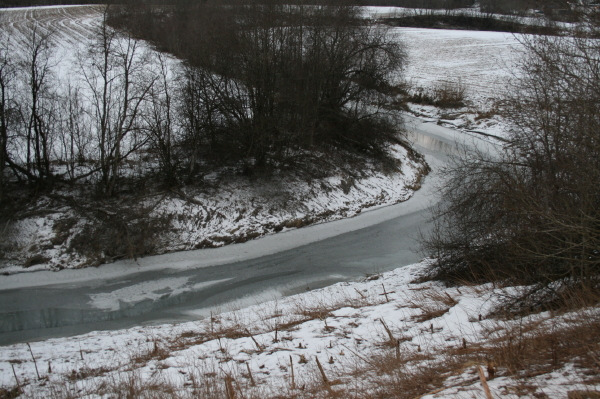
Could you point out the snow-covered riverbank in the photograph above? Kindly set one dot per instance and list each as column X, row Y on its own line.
column 368, row 337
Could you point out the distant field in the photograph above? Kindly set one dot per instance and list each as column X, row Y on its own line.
column 481, row 61
column 69, row 24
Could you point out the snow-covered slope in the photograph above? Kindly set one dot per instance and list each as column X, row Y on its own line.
column 370, row 338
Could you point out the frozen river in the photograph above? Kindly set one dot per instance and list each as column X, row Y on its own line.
column 188, row 285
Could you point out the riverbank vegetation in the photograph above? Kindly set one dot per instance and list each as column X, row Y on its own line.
column 529, row 214
column 265, row 82
column 115, row 142
column 471, row 21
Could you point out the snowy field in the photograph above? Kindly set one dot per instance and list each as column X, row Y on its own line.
column 70, row 26
column 482, row 62
column 367, row 337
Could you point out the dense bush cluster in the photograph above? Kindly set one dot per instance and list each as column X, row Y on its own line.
column 443, row 95
column 264, row 80
column 431, row 4
column 518, row 6
column 531, row 213
column 467, row 20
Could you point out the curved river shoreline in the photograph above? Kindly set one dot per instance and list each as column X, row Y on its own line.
column 188, row 285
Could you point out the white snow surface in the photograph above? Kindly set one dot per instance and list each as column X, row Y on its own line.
column 482, row 62
column 344, row 326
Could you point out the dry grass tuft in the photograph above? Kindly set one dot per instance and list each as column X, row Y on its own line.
column 10, row 393
column 432, row 303
column 542, row 347
column 411, row 376
column 157, row 351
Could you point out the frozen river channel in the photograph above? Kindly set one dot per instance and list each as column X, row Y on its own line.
column 188, row 285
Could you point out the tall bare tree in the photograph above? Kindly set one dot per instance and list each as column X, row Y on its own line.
column 116, row 74
column 39, row 112
column 7, row 77
column 74, row 133
column 162, row 121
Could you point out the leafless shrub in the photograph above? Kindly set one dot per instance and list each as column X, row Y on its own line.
column 449, row 94
column 529, row 214
column 119, row 231
column 442, row 94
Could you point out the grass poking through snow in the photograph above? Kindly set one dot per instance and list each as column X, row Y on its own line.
column 380, row 338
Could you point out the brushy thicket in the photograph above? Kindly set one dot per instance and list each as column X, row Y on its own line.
column 266, row 80
column 432, row 4
column 530, row 214
column 442, row 95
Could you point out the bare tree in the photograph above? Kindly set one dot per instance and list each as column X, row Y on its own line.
column 196, row 116
column 38, row 113
column 7, row 77
column 162, row 120
column 116, row 74
column 74, row 132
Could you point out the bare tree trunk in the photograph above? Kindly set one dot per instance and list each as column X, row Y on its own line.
column 6, row 75
column 117, row 76
column 160, row 122
column 40, row 108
